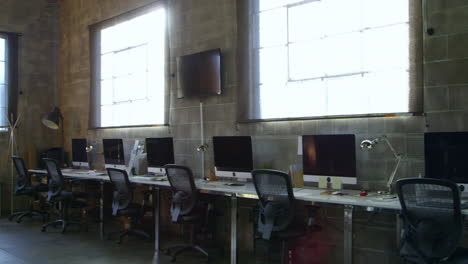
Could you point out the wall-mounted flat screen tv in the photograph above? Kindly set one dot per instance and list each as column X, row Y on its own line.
column 199, row 74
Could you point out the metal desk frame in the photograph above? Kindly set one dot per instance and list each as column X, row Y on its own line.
column 234, row 193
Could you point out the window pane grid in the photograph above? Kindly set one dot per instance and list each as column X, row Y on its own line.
column 132, row 71
column 352, row 59
column 3, row 85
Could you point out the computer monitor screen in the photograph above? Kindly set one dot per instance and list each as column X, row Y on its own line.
column 233, row 154
column 79, row 154
column 446, row 156
column 160, row 151
column 113, row 151
column 329, row 155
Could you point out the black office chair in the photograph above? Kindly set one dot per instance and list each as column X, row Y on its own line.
column 184, row 206
column 58, row 196
column 277, row 207
column 122, row 204
column 24, row 188
column 433, row 223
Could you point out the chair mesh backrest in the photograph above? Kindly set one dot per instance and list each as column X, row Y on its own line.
column 22, row 180
column 182, row 182
column 123, row 193
column 431, row 209
column 55, row 177
column 274, row 188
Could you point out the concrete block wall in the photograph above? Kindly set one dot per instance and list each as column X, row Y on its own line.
column 206, row 24
column 37, row 21
column 202, row 25
column 446, row 66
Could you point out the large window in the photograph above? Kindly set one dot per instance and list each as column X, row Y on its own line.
column 3, row 83
column 331, row 57
column 8, row 77
column 129, row 69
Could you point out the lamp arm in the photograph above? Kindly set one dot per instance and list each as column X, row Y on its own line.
column 391, row 147
column 392, row 176
column 398, row 157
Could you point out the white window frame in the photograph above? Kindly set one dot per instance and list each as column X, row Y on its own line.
column 155, row 97
column 414, row 59
column 4, row 64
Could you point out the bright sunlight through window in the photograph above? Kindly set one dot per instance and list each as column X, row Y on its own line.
column 132, row 71
column 3, row 85
column 333, row 57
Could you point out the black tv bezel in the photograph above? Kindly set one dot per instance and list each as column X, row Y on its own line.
column 107, row 160
column 428, row 161
column 172, row 158
column 84, row 149
column 237, row 169
column 183, row 92
column 306, row 170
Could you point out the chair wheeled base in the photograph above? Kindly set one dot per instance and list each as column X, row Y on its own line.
column 21, row 215
column 178, row 249
column 63, row 223
column 129, row 231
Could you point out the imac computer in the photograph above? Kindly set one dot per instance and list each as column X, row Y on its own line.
column 114, row 153
column 79, row 154
column 329, row 157
column 233, row 156
column 446, row 156
column 159, row 152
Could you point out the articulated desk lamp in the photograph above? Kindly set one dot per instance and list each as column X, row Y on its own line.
column 54, row 120
column 369, row 144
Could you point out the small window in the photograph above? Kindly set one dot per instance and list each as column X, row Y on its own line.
column 129, row 65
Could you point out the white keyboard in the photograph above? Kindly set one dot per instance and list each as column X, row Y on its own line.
column 79, row 171
column 149, row 178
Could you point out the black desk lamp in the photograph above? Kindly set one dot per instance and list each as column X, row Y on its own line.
column 369, row 144
column 54, row 120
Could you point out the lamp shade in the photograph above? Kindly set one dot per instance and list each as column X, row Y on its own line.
column 52, row 119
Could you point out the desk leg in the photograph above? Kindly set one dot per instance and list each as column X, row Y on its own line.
column 233, row 229
column 348, row 234
column 101, row 211
column 156, row 211
column 398, row 231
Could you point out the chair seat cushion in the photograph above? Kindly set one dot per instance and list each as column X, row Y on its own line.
column 82, row 195
column 287, row 234
column 71, row 199
column 78, row 204
column 25, row 191
column 290, row 232
column 31, row 190
column 41, row 187
column 460, row 256
column 132, row 209
column 190, row 218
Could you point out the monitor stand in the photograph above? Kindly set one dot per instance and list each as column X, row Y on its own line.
column 239, row 176
column 115, row 166
column 80, row 165
column 337, row 183
column 156, row 171
column 324, row 182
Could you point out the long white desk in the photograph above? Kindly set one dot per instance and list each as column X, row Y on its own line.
column 313, row 195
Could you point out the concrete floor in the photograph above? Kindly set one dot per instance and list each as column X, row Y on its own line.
column 24, row 243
